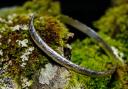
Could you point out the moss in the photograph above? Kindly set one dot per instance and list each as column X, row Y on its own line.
column 88, row 54
column 51, row 25
column 96, row 59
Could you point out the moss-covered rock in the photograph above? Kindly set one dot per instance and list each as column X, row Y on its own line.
column 20, row 58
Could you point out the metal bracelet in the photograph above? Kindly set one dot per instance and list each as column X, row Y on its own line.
column 67, row 63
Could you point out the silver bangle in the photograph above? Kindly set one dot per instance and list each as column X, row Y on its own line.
column 67, row 63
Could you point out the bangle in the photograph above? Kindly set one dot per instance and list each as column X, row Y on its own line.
column 67, row 63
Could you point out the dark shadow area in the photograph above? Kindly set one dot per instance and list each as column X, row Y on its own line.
column 9, row 3
column 86, row 11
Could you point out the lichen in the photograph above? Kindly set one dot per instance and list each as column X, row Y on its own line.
column 49, row 76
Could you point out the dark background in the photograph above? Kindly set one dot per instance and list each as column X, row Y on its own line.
column 4, row 3
column 87, row 11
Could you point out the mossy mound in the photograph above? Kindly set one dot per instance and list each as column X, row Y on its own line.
column 20, row 58
column 113, row 29
column 19, row 55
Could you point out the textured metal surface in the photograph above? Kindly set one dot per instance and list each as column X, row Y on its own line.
column 63, row 61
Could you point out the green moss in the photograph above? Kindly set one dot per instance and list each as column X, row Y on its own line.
column 88, row 54
column 51, row 25
column 92, row 55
